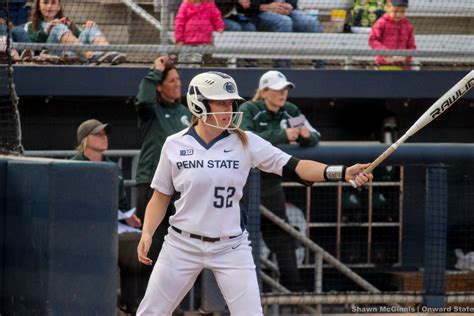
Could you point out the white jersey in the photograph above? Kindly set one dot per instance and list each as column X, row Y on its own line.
column 210, row 178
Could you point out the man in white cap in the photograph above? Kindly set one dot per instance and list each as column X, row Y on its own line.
column 278, row 121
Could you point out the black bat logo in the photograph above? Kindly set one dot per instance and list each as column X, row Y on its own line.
column 450, row 101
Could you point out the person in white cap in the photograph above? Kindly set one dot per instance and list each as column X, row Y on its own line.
column 278, row 121
column 208, row 164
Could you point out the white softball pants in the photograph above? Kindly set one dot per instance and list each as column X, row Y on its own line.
column 182, row 259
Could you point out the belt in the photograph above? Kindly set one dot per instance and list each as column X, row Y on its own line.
column 203, row 238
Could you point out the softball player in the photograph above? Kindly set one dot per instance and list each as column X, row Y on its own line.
column 208, row 165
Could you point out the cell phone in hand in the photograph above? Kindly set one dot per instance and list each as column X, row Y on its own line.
column 297, row 121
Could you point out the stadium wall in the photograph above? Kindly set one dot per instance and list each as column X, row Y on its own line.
column 123, row 82
column 335, row 101
column 59, row 229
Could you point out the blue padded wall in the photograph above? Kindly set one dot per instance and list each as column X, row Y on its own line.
column 61, row 238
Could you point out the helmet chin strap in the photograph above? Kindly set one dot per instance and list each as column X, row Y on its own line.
column 233, row 123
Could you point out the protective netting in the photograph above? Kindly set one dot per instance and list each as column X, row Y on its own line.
column 308, row 33
column 364, row 250
column 10, row 132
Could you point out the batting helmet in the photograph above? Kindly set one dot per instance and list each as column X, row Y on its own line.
column 212, row 85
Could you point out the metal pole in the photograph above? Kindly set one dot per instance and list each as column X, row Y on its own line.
column 436, row 220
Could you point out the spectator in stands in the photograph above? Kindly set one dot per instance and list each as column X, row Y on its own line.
column 160, row 114
column 49, row 25
column 278, row 121
column 284, row 16
column 239, row 15
column 92, row 141
column 194, row 24
column 15, row 56
column 393, row 31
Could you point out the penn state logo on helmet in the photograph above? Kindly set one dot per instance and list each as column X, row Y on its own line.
column 230, row 87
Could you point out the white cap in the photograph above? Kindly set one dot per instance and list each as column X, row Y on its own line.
column 274, row 80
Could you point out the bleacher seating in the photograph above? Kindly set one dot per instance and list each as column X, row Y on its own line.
column 337, row 46
column 432, row 8
column 431, row 19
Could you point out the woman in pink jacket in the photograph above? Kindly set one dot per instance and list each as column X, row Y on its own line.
column 194, row 24
column 393, row 31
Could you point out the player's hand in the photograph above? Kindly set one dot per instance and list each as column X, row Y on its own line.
column 133, row 221
column 292, row 134
column 304, row 132
column 356, row 176
column 143, row 248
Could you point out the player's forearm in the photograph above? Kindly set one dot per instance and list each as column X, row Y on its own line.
column 155, row 212
column 309, row 170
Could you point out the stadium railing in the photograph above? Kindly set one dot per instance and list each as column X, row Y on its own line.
column 435, row 161
column 338, row 46
column 430, row 8
column 133, row 28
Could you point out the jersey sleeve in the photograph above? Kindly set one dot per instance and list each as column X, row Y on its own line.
column 265, row 156
column 162, row 180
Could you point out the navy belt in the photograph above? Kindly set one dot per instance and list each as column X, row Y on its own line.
column 203, row 238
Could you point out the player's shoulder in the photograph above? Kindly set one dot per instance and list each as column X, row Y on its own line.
column 177, row 136
column 254, row 138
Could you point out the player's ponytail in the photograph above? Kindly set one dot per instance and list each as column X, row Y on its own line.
column 242, row 136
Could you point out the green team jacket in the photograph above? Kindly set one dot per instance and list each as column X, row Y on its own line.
column 271, row 127
column 156, row 121
column 41, row 36
column 123, row 202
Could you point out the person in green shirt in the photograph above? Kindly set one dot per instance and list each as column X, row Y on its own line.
column 160, row 114
column 92, row 139
column 49, row 24
column 278, row 121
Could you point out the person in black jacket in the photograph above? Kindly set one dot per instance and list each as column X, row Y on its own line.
column 284, row 16
column 239, row 15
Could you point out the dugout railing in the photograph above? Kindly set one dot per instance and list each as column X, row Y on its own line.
column 438, row 195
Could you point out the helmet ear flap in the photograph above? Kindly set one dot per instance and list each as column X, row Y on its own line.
column 196, row 102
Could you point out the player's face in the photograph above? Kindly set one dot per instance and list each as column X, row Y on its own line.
column 170, row 88
column 218, row 106
column 49, row 8
column 275, row 99
column 397, row 13
column 98, row 142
